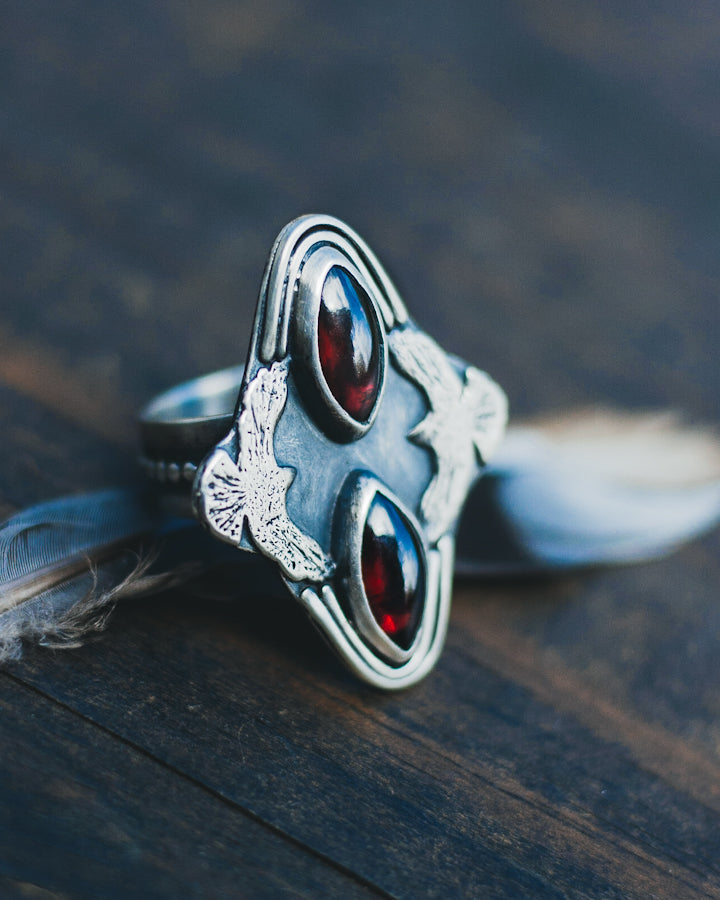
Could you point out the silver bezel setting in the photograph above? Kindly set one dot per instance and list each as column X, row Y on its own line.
column 306, row 354
column 293, row 247
column 356, row 498
column 325, row 610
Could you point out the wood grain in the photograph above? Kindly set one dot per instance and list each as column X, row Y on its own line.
column 92, row 816
column 541, row 179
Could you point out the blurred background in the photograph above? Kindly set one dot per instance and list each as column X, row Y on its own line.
column 541, row 178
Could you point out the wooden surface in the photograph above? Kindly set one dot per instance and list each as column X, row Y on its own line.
column 542, row 178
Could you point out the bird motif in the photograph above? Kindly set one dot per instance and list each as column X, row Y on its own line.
column 464, row 425
column 253, row 491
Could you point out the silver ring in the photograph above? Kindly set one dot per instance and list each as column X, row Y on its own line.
column 343, row 451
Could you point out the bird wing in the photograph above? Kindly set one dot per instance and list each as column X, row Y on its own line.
column 263, row 404
column 487, row 405
column 224, row 497
column 299, row 556
column 427, row 364
column 439, row 507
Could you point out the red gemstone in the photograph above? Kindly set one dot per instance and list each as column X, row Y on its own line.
column 348, row 344
column 392, row 572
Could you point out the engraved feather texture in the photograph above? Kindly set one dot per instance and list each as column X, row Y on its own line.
column 253, row 491
column 465, row 423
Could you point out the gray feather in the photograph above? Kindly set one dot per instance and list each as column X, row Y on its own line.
column 71, row 613
column 64, row 564
column 44, row 544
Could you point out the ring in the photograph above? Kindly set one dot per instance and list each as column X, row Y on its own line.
column 343, row 451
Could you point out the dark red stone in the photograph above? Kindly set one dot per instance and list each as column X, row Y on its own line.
column 348, row 344
column 392, row 572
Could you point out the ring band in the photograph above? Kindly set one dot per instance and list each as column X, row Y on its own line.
column 343, row 451
column 182, row 425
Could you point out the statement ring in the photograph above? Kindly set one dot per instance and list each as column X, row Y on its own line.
column 353, row 444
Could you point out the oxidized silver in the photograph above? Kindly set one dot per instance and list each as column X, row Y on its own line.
column 294, row 473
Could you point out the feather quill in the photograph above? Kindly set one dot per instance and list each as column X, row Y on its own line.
column 51, row 542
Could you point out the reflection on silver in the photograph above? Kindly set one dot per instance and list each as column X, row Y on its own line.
column 466, row 420
column 253, row 490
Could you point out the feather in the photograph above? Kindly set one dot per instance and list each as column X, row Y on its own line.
column 51, row 542
column 66, row 563
column 79, row 608
column 252, row 490
column 590, row 488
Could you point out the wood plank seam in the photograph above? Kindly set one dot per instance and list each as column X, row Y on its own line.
column 306, row 848
column 515, row 791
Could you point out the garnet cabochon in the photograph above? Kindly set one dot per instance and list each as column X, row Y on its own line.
column 349, row 349
column 392, row 572
column 348, row 344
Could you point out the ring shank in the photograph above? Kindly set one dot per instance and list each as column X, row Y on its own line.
column 180, row 426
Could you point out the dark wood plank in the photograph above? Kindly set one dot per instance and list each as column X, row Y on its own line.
column 46, row 455
column 518, row 233
column 641, row 639
column 90, row 816
column 503, row 785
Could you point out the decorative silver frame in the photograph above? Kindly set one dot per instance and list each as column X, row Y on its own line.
column 295, row 242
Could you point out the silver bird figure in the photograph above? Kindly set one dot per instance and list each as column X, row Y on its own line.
column 253, row 491
column 464, row 426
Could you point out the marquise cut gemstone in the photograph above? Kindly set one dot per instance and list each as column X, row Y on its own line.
column 392, row 572
column 348, row 344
